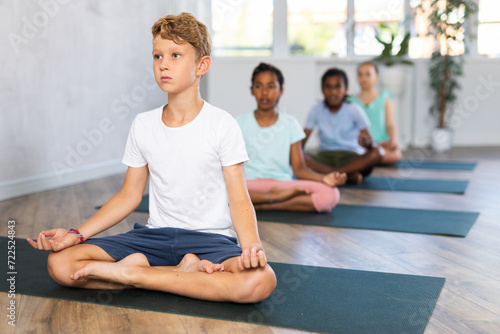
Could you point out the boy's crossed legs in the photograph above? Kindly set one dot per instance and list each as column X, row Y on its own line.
column 355, row 166
column 89, row 266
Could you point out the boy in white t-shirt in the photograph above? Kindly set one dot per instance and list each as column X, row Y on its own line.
column 199, row 205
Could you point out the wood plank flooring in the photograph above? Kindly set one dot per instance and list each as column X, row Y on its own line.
column 469, row 302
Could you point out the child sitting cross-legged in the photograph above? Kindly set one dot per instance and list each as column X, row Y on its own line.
column 200, row 242
column 379, row 108
column 345, row 141
column 273, row 141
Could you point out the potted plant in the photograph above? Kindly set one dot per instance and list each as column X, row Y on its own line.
column 446, row 23
column 385, row 35
column 392, row 55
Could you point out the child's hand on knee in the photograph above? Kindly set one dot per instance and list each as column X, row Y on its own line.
column 252, row 257
column 365, row 140
column 390, row 145
column 54, row 240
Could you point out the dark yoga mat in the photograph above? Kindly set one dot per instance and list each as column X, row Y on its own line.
column 438, row 165
column 416, row 185
column 307, row 298
column 454, row 223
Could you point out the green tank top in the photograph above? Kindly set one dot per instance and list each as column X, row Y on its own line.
column 376, row 114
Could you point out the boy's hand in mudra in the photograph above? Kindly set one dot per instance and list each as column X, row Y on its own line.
column 54, row 240
column 252, row 257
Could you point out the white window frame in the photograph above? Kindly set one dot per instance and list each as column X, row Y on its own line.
column 281, row 49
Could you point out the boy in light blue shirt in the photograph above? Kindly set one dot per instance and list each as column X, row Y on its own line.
column 338, row 131
column 345, row 142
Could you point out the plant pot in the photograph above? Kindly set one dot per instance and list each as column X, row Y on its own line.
column 442, row 140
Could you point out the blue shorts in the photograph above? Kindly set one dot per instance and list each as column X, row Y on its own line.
column 167, row 246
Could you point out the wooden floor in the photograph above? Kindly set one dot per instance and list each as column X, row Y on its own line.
column 469, row 302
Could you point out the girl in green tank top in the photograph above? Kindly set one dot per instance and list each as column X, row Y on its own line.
column 378, row 107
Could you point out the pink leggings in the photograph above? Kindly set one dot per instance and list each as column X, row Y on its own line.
column 324, row 197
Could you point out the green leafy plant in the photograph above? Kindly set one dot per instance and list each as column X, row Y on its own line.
column 386, row 35
column 446, row 23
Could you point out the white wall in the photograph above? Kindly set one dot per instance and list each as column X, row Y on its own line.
column 476, row 119
column 74, row 75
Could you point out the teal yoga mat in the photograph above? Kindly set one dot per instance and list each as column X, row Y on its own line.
column 415, row 185
column 309, row 298
column 437, row 165
column 453, row 223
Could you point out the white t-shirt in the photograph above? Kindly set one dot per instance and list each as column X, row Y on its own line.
column 187, row 188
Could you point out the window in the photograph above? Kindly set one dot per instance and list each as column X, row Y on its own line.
column 421, row 44
column 317, row 27
column 488, row 28
column 340, row 28
column 242, row 28
column 368, row 14
column 453, row 42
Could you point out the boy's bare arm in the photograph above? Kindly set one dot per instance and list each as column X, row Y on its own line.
column 114, row 211
column 244, row 219
column 301, row 171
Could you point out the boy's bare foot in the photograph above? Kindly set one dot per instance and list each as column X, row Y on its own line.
column 122, row 272
column 335, row 179
column 342, row 179
column 354, row 178
column 192, row 263
column 281, row 195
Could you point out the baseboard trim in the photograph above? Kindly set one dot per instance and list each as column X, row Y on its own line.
column 41, row 182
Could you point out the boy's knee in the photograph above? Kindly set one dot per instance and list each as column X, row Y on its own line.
column 327, row 199
column 375, row 154
column 379, row 151
column 58, row 269
column 257, row 286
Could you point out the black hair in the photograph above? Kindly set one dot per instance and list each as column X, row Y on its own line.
column 335, row 72
column 264, row 67
column 369, row 63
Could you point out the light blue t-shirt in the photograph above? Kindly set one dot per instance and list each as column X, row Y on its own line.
column 338, row 131
column 269, row 148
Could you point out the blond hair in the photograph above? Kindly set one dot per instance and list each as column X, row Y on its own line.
column 184, row 28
